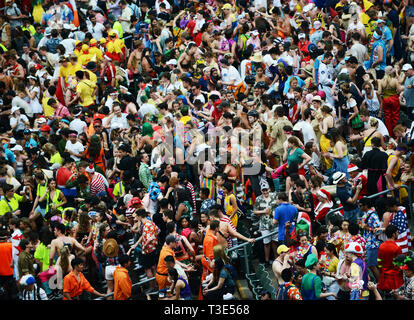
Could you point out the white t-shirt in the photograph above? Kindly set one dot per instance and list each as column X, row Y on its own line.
column 231, row 74
column 381, row 126
column 97, row 30
column 20, row 125
column 76, row 147
column 78, row 125
column 69, row 45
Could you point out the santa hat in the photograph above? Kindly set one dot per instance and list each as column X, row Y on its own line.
column 324, row 194
column 333, row 12
column 90, row 169
column 352, row 168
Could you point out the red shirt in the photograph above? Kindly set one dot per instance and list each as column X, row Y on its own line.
column 62, row 176
column 391, row 275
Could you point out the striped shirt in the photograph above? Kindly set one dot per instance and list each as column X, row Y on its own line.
column 190, row 187
column 98, row 184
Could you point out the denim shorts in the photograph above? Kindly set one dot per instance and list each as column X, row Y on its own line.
column 353, row 215
column 372, row 257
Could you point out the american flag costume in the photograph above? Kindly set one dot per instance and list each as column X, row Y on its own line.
column 399, row 219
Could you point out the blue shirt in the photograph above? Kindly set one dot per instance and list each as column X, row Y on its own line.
column 31, row 144
column 283, row 213
column 409, row 93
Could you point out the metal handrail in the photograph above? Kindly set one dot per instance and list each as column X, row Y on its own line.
column 371, row 197
column 242, row 245
column 245, row 244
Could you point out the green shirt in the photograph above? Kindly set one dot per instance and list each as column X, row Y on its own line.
column 307, row 284
column 56, row 158
column 119, row 189
column 42, row 254
column 145, row 175
column 10, row 205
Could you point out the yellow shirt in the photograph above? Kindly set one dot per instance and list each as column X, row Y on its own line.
column 96, row 52
column 64, row 72
column 92, row 76
column 83, row 58
column 13, row 204
column 85, row 88
column 47, row 110
column 74, row 68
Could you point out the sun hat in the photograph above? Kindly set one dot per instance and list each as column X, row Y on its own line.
column 282, row 249
column 317, row 98
column 338, row 176
column 311, row 260
column 257, row 57
column 110, row 248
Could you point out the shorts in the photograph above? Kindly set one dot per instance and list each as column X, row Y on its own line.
column 269, row 239
column 372, row 257
column 109, row 272
column 409, row 11
column 42, row 211
column 149, row 260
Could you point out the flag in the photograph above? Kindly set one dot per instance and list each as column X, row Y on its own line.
column 75, row 12
column 303, row 222
column 399, row 219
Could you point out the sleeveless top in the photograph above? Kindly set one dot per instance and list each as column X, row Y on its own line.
column 186, row 292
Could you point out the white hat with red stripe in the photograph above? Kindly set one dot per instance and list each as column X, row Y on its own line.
column 354, row 247
column 90, row 169
column 352, row 168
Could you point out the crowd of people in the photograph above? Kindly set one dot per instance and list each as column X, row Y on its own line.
column 144, row 139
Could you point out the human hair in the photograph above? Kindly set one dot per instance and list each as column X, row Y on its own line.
column 214, row 225
column 170, row 226
column 282, row 196
column 219, row 252
column 169, row 258
column 173, row 273
column 353, row 229
column 286, row 274
column 295, row 141
column 218, row 266
column 390, row 231
column 331, row 247
column 64, row 259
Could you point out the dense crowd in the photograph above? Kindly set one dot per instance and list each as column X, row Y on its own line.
column 144, row 139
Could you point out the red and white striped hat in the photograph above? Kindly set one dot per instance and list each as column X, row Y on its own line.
column 90, row 169
column 352, row 168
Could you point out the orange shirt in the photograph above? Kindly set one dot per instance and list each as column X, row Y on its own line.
column 122, row 284
column 210, row 241
column 162, row 267
column 73, row 287
column 100, row 161
column 6, row 257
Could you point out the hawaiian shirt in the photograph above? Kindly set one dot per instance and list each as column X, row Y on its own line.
column 371, row 237
column 266, row 220
column 206, row 205
column 149, row 230
column 293, row 292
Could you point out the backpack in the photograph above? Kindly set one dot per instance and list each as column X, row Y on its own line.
column 282, row 292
